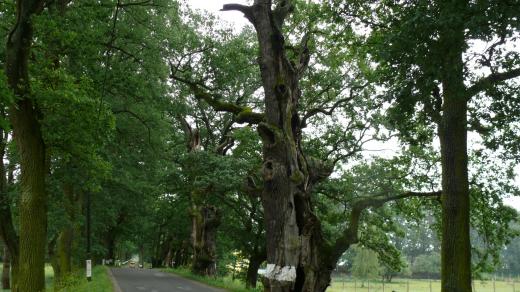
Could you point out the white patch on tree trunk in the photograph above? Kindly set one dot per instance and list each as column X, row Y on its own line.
column 274, row 272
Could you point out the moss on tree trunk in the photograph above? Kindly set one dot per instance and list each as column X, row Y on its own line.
column 205, row 221
column 24, row 116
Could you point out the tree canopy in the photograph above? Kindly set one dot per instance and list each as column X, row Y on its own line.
column 149, row 128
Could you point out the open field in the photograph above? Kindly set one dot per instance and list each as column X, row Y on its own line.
column 404, row 285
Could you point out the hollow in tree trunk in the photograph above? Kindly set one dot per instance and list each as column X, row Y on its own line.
column 298, row 258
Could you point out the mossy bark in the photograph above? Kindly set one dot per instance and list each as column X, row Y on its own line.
column 24, row 116
column 205, row 221
column 293, row 232
column 33, row 202
column 298, row 258
column 62, row 263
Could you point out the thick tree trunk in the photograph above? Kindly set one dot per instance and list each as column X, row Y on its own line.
column 6, row 271
column 168, row 258
column 64, row 254
column 294, row 242
column 27, row 134
column 292, row 231
column 205, row 221
column 33, row 203
column 298, row 258
column 456, row 247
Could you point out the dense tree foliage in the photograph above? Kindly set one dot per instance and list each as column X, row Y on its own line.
column 171, row 135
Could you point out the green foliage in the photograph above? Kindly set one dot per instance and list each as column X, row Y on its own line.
column 365, row 264
column 101, row 73
column 77, row 282
column 427, row 265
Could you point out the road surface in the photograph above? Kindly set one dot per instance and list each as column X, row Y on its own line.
column 146, row 280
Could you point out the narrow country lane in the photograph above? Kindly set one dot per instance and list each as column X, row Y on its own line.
column 145, row 280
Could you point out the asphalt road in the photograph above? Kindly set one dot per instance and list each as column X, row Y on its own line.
column 146, row 280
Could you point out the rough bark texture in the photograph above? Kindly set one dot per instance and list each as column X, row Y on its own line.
column 205, row 221
column 293, row 232
column 456, row 248
column 24, row 116
column 205, row 218
column 298, row 258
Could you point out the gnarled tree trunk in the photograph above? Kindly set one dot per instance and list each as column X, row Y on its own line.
column 205, row 218
column 298, row 258
column 205, row 221
column 292, row 231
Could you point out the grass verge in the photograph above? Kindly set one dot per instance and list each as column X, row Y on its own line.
column 77, row 281
column 225, row 283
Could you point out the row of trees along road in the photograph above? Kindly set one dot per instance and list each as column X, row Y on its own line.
column 195, row 142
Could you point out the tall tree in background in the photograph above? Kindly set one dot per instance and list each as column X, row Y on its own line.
column 365, row 265
column 8, row 232
column 422, row 50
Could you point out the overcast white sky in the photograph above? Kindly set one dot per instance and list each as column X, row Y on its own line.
column 238, row 20
column 214, row 7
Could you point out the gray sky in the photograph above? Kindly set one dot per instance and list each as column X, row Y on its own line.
column 214, row 7
column 238, row 20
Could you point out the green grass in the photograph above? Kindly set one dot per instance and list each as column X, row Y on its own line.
column 404, row 285
column 224, row 283
column 78, row 283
